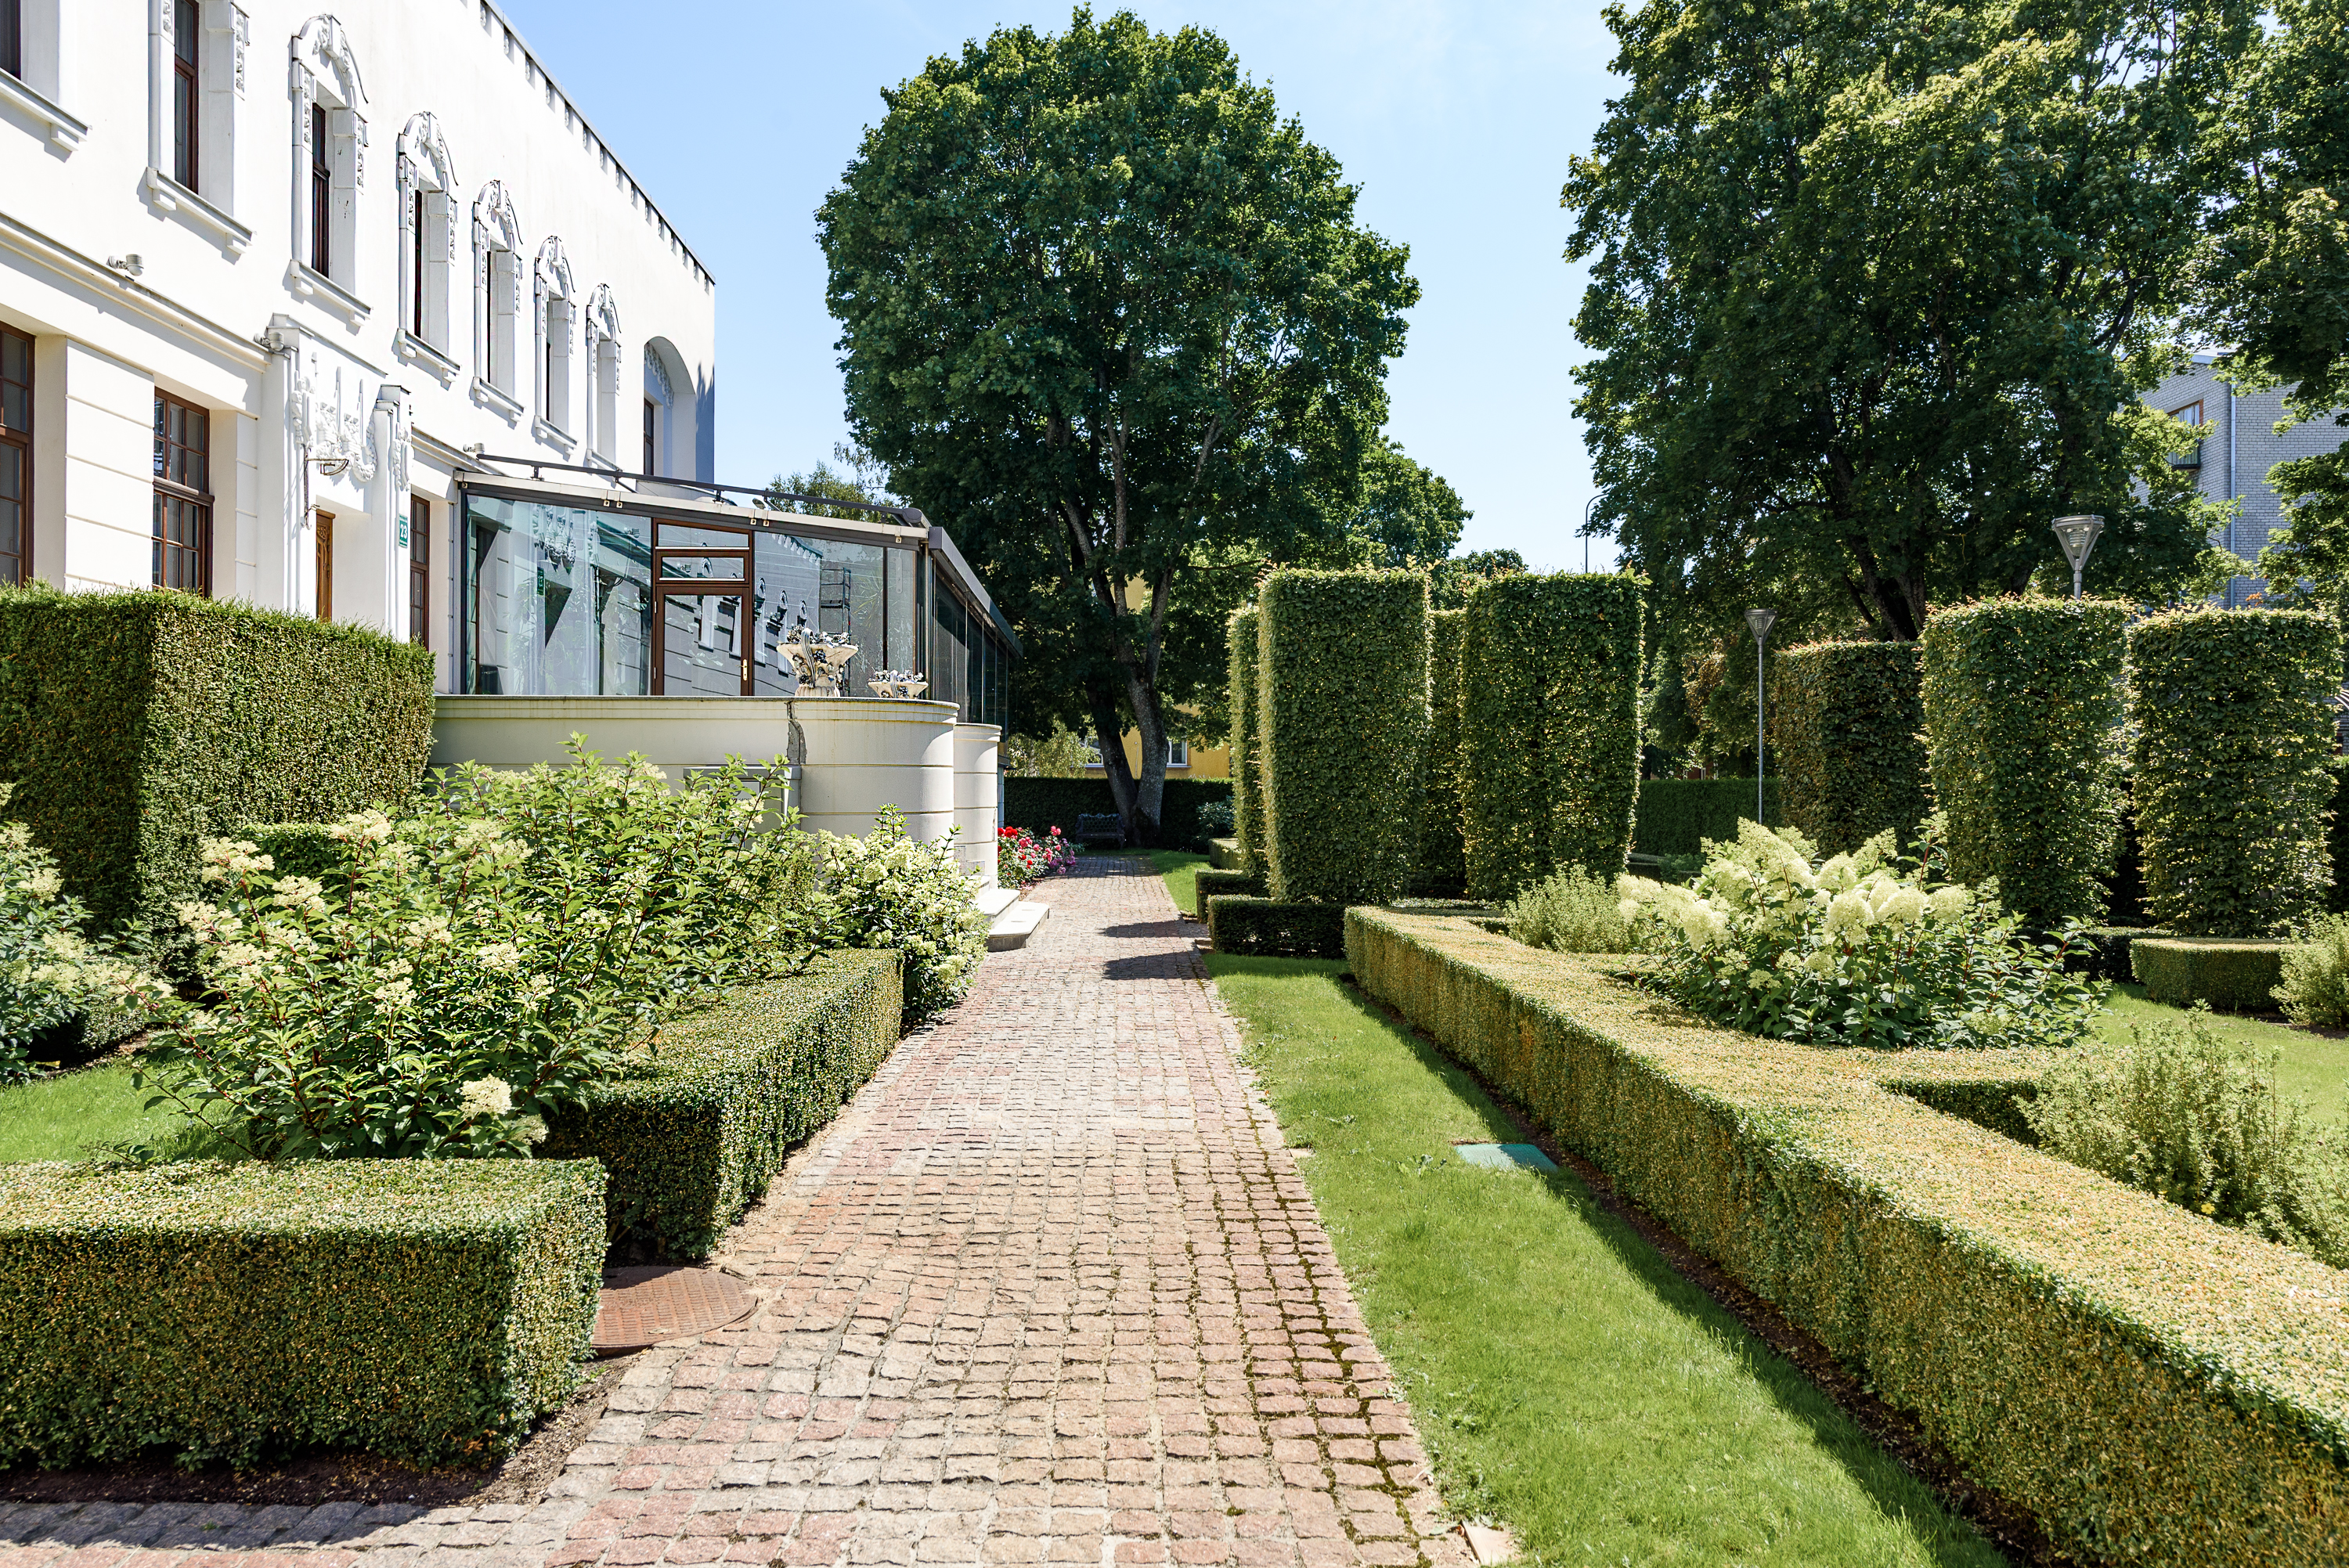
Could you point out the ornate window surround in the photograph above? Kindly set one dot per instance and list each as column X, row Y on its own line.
column 210, row 206
column 35, row 94
column 497, row 298
column 426, row 170
column 603, row 354
column 326, row 74
column 552, row 312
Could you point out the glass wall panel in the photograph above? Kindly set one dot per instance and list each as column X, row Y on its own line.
column 559, row 601
column 949, row 655
column 826, row 585
column 900, row 571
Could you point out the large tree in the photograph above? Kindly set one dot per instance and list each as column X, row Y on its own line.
column 2277, row 272
column 1876, row 287
column 1108, row 317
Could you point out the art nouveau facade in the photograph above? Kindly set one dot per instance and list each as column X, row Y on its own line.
column 269, row 275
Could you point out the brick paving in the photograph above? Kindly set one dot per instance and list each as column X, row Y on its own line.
column 1049, row 1291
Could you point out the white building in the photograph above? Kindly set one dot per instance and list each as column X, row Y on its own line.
column 2239, row 446
column 268, row 273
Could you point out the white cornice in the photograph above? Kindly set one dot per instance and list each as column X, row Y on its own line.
column 63, row 129
column 74, row 267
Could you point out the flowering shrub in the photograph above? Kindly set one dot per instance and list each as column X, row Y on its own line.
column 1571, row 911
column 48, row 971
column 885, row 891
column 1853, row 951
column 458, row 973
column 1021, row 858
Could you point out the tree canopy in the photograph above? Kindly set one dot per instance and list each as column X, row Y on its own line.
column 1108, row 318
column 1875, row 288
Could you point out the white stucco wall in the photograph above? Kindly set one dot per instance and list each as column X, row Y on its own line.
column 223, row 311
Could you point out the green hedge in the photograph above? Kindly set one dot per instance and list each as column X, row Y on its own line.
column 693, row 1136
column 1677, row 815
column 1274, row 927
column 2232, row 974
column 2023, row 714
column 1846, row 732
column 1441, row 866
column 1212, row 881
column 1550, row 728
column 2233, row 775
column 2107, row 957
column 2151, row 1386
column 1224, row 855
column 1037, row 804
column 133, row 724
column 427, row 1310
column 1248, row 789
column 1341, row 698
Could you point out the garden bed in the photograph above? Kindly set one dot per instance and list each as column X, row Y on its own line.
column 2151, row 1386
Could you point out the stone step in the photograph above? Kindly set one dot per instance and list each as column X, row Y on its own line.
column 994, row 900
column 1013, row 927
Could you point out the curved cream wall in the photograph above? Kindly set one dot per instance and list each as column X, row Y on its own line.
column 975, row 788
column 851, row 756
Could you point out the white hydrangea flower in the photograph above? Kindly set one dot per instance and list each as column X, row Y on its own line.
column 1950, row 900
column 1902, row 906
column 1848, row 908
column 487, row 1097
column 367, row 827
column 500, row 957
column 42, row 884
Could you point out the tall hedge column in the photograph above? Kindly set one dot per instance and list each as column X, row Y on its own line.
column 2022, row 711
column 1343, row 700
column 1247, row 788
column 1441, row 867
column 1549, row 682
column 2233, row 739
column 1845, row 723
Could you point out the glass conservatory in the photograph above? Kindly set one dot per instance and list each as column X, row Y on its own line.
column 596, row 584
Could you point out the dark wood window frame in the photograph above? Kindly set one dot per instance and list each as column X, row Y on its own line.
column 323, row 559
column 12, row 38
column 420, row 572
column 652, row 434
column 187, row 91
column 184, row 500
column 321, row 194
column 16, row 447
column 416, row 270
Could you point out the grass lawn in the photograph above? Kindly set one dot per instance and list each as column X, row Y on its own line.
column 1181, row 870
column 2311, row 1067
column 1570, row 1382
column 58, row 1118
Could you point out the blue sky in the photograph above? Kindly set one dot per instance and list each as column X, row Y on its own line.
column 1455, row 119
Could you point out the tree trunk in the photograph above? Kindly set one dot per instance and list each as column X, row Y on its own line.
column 1111, row 735
column 1150, row 794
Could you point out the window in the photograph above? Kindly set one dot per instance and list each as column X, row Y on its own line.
column 660, row 401
column 2191, row 416
column 12, row 38
column 428, row 238
column 603, row 342
column 15, row 454
column 652, row 426
column 324, row 589
column 1178, row 753
column 497, row 287
column 420, row 572
column 322, row 195
column 551, row 328
column 183, row 500
column 187, row 93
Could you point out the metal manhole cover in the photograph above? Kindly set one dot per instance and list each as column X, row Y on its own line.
column 643, row 1306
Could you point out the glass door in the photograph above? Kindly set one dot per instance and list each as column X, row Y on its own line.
column 701, row 633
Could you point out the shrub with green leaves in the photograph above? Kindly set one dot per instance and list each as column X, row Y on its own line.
column 137, row 725
column 1676, row 816
column 1341, row 699
column 1570, row 912
column 1846, row 729
column 2022, row 713
column 2233, row 776
column 1442, row 865
column 428, row 1311
column 1550, row 728
column 2179, row 1113
column 1853, row 951
column 889, row 891
column 2314, row 988
column 1247, row 784
column 458, row 974
column 49, row 971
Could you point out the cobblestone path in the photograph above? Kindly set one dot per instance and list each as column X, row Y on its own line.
column 1049, row 1291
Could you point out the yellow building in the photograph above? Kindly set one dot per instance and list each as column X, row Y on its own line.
column 1183, row 760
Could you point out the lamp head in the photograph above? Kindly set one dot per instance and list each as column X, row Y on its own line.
column 1761, row 621
column 2077, row 535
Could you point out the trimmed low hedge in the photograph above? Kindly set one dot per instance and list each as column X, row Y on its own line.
column 1037, row 804
column 2233, row 976
column 1551, row 728
column 1213, row 881
column 1341, row 702
column 2108, row 951
column 1847, row 723
column 1236, row 924
column 2023, row 714
column 134, row 725
column 693, row 1135
column 1224, row 855
column 1677, row 815
column 2153, row 1387
column 426, row 1310
column 1248, row 787
column 1441, row 866
column 2233, row 766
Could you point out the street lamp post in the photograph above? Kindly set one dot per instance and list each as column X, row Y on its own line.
column 1761, row 621
column 1585, row 533
column 2077, row 535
